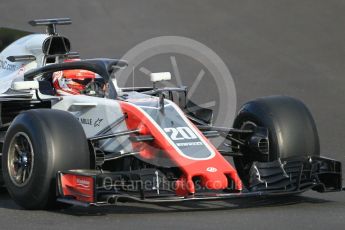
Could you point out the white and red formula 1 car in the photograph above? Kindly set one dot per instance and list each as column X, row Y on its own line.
column 70, row 134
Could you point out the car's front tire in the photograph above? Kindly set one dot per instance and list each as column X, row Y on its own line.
column 291, row 128
column 38, row 144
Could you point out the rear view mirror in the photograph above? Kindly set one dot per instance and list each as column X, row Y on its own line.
column 25, row 85
column 163, row 76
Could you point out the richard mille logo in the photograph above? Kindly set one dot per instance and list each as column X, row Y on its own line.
column 97, row 122
column 90, row 121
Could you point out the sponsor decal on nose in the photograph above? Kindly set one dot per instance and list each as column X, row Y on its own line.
column 211, row 169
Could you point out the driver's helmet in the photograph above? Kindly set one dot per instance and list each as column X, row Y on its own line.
column 72, row 82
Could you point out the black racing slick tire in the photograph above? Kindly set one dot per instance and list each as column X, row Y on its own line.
column 38, row 144
column 291, row 130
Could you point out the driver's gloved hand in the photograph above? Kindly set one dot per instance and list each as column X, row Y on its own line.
column 93, row 89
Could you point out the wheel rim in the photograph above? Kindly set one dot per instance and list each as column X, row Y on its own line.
column 20, row 159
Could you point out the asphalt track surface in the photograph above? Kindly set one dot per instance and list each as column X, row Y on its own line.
column 294, row 48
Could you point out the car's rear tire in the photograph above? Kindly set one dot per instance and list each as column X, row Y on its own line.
column 40, row 143
column 291, row 127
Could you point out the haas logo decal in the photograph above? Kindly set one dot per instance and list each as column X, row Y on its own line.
column 211, row 169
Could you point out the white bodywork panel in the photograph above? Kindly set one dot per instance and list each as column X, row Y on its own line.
column 96, row 114
column 14, row 71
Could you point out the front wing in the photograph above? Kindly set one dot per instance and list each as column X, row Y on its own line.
column 281, row 177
